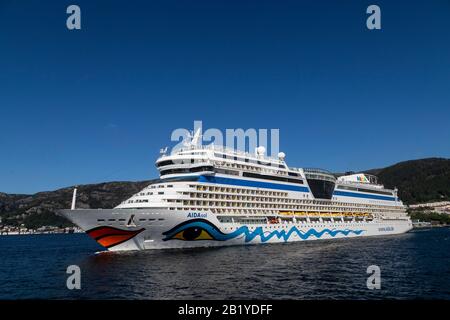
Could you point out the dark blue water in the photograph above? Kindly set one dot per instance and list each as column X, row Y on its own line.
column 413, row 265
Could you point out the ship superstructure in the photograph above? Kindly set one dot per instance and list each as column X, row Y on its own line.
column 213, row 196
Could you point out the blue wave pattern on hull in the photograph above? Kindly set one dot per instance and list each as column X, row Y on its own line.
column 249, row 235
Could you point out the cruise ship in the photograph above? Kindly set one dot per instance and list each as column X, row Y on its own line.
column 210, row 195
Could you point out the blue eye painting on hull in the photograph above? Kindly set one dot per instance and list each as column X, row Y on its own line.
column 201, row 229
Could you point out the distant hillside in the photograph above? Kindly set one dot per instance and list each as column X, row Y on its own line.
column 418, row 181
column 39, row 209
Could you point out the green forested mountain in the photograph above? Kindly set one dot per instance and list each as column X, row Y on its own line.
column 418, row 181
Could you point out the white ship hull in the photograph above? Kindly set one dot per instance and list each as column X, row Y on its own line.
column 153, row 228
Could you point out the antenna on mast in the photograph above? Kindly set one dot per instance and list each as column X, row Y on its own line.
column 187, row 141
column 196, row 138
column 163, row 151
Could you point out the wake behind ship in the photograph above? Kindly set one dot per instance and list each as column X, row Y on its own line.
column 214, row 196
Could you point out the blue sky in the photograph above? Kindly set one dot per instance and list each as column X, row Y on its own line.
column 97, row 104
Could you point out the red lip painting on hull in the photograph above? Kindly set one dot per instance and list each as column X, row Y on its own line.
column 109, row 236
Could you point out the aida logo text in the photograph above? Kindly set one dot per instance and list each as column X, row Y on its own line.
column 261, row 141
column 197, row 215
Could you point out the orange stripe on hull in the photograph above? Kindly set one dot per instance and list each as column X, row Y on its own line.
column 110, row 241
column 104, row 231
column 109, row 236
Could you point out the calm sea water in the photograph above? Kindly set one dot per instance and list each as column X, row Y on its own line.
column 413, row 265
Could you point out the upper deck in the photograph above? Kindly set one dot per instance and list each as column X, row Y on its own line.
column 200, row 151
column 193, row 160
